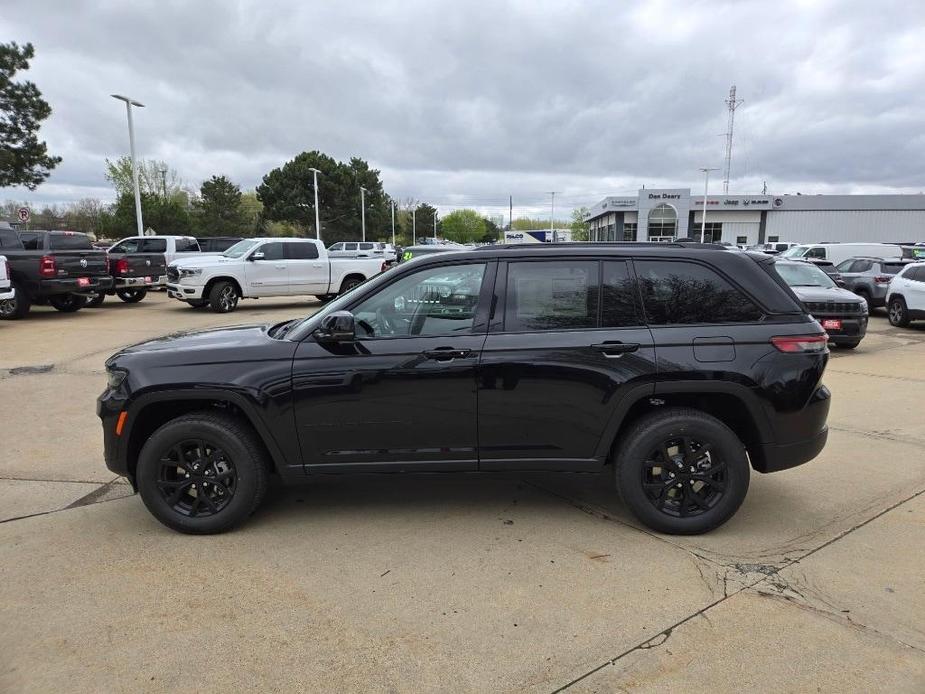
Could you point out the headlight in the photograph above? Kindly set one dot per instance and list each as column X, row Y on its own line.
column 114, row 378
column 190, row 271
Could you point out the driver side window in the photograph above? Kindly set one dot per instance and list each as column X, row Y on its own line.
column 430, row 302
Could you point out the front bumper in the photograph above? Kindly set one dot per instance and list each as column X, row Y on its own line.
column 108, row 409
column 853, row 328
column 7, row 294
column 72, row 285
column 184, row 292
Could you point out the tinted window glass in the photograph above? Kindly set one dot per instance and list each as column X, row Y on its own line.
column 336, row 247
column 366, row 246
column 618, row 298
column 815, row 252
column 891, row 268
column 31, row 241
column 272, row 251
column 301, row 251
column 917, row 274
column 551, row 295
column 861, row 266
column 187, row 246
column 127, row 246
column 154, row 246
column 66, row 242
column 9, row 239
column 844, row 265
column 681, row 292
column 350, row 246
column 435, row 301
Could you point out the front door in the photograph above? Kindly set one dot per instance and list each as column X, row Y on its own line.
column 267, row 270
column 403, row 397
column 566, row 350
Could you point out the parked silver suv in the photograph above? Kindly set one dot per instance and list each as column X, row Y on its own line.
column 869, row 277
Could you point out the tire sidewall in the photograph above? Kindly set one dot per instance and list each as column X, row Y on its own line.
column 20, row 304
column 215, row 297
column 248, row 483
column 67, row 303
column 131, row 296
column 644, row 439
column 903, row 320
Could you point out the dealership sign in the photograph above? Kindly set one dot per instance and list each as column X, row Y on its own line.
column 736, row 202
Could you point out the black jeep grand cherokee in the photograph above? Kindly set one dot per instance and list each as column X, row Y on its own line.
column 676, row 366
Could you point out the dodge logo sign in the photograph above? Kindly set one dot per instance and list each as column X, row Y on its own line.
column 83, row 262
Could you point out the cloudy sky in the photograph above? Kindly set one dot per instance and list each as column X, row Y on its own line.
column 464, row 103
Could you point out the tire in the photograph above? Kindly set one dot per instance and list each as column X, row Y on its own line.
column 131, row 296
column 647, row 489
column 224, row 297
column 349, row 283
column 233, row 473
column 897, row 313
column 18, row 307
column 96, row 300
column 848, row 345
column 198, row 303
column 67, row 303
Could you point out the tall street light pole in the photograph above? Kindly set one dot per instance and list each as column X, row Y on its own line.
column 552, row 216
column 315, row 173
column 393, row 224
column 363, row 192
column 131, row 143
column 435, row 226
column 706, row 186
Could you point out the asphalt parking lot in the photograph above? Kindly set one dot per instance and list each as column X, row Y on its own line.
column 453, row 582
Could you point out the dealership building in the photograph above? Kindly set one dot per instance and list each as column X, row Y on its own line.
column 670, row 213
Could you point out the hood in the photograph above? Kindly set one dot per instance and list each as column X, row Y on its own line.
column 201, row 345
column 826, row 294
column 203, row 261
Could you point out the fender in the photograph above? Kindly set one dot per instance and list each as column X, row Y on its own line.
column 752, row 403
column 286, row 456
column 638, row 392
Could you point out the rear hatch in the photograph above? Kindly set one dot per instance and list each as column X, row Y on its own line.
column 75, row 257
column 151, row 265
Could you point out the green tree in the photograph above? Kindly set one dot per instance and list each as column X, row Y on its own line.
column 581, row 228
column 23, row 159
column 218, row 210
column 464, row 226
column 287, row 194
column 165, row 216
column 251, row 213
column 492, row 232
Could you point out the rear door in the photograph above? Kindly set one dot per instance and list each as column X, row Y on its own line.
column 267, row 275
column 567, row 348
column 308, row 273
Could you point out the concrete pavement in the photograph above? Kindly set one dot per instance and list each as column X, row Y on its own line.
column 462, row 583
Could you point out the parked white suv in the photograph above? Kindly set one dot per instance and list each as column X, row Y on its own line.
column 260, row 267
column 905, row 295
column 7, row 293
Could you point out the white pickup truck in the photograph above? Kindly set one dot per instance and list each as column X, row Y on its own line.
column 7, row 293
column 261, row 267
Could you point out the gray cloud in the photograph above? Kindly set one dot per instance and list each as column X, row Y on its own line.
column 465, row 103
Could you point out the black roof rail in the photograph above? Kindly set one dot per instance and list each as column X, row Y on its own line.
column 606, row 244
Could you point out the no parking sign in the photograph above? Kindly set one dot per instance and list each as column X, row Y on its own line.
column 24, row 214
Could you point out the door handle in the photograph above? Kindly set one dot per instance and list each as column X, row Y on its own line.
column 616, row 349
column 447, row 353
column 280, row 267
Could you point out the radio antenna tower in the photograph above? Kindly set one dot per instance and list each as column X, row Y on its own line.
column 731, row 104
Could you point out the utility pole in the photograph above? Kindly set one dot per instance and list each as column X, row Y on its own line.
column 315, row 173
column 435, row 226
column 706, row 185
column 414, row 227
column 510, row 213
column 552, row 216
column 732, row 104
column 131, row 142
column 363, row 192
column 163, row 173
column 393, row 224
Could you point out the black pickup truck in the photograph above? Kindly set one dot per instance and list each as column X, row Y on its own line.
column 60, row 268
column 136, row 264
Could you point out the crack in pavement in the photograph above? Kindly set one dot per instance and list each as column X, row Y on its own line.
column 770, row 572
column 91, row 499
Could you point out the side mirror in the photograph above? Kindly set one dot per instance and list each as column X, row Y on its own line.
column 339, row 326
column 257, row 256
column 841, row 283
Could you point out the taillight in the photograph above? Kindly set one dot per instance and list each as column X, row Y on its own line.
column 106, row 259
column 797, row 344
column 122, row 266
column 47, row 266
column 883, row 279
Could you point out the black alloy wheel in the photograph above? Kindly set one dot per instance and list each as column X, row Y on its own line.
column 96, row 300
column 196, row 478
column 17, row 307
column 681, row 471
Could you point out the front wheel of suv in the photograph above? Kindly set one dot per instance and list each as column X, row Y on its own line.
column 202, row 473
column 898, row 313
column 681, row 471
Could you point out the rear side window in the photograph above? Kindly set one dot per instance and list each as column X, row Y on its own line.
column 187, row 245
column 619, row 307
column 916, row 273
column 31, row 241
column 350, row 246
column 301, row 251
column 9, row 239
column 154, row 246
column 677, row 293
column 69, row 242
column 551, row 295
column 367, row 246
column 861, row 266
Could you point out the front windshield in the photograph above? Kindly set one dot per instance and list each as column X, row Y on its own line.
column 795, row 252
column 803, row 275
column 240, row 248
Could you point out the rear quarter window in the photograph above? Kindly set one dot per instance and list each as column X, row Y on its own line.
column 678, row 293
column 185, row 245
column 69, row 242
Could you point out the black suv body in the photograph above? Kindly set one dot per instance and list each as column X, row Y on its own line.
column 678, row 366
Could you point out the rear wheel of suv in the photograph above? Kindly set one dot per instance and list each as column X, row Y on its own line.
column 681, row 471
column 67, row 303
column 224, row 297
column 96, row 300
column 898, row 313
column 17, row 307
column 202, row 473
column 131, row 296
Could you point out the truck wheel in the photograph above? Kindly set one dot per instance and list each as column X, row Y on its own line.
column 202, row 473
column 198, row 303
column 224, row 297
column 681, row 471
column 897, row 312
column 350, row 283
column 67, row 303
column 96, row 300
column 131, row 296
column 18, row 307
